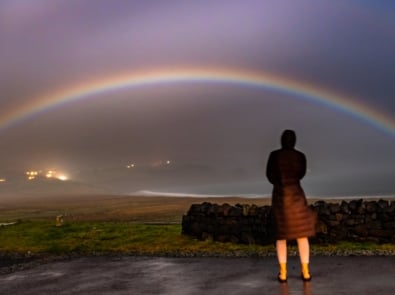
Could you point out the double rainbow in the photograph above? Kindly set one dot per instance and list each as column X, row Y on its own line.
column 295, row 89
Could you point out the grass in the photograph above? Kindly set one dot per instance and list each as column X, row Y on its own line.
column 93, row 237
column 129, row 225
column 106, row 208
column 85, row 237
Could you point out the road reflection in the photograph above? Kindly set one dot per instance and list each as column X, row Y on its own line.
column 285, row 289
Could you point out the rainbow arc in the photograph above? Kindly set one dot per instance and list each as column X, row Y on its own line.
column 296, row 89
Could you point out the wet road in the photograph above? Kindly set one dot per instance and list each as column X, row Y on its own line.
column 151, row 275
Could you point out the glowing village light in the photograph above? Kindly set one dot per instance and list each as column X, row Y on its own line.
column 55, row 174
column 31, row 174
column 62, row 177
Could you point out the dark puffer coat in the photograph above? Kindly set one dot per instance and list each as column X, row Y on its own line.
column 285, row 168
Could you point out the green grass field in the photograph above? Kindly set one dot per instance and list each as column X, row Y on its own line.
column 86, row 237
column 132, row 226
column 94, row 237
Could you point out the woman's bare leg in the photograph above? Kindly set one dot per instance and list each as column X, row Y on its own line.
column 304, row 253
column 281, row 247
column 304, row 250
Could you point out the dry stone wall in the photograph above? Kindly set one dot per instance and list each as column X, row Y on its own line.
column 356, row 220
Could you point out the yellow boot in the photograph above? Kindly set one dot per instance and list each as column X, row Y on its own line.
column 282, row 275
column 305, row 272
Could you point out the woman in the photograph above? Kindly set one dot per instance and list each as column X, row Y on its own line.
column 293, row 218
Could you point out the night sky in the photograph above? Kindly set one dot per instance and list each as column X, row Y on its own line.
column 200, row 136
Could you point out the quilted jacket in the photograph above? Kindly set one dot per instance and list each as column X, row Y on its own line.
column 285, row 168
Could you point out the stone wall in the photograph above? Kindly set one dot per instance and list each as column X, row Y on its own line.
column 356, row 220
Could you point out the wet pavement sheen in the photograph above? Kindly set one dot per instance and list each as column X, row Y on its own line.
column 156, row 275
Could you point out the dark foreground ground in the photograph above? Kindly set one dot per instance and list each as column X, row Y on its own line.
column 153, row 275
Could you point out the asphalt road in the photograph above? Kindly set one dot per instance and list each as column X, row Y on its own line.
column 153, row 275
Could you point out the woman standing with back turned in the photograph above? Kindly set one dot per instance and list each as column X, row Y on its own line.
column 293, row 218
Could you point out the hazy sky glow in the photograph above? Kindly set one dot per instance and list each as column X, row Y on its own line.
column 217, row 134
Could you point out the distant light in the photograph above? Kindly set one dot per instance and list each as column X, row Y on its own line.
column 130, row 166
column 50, row 174
column 168, row 162
column 2, row 180
column 62, row 177
column 31, row 174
